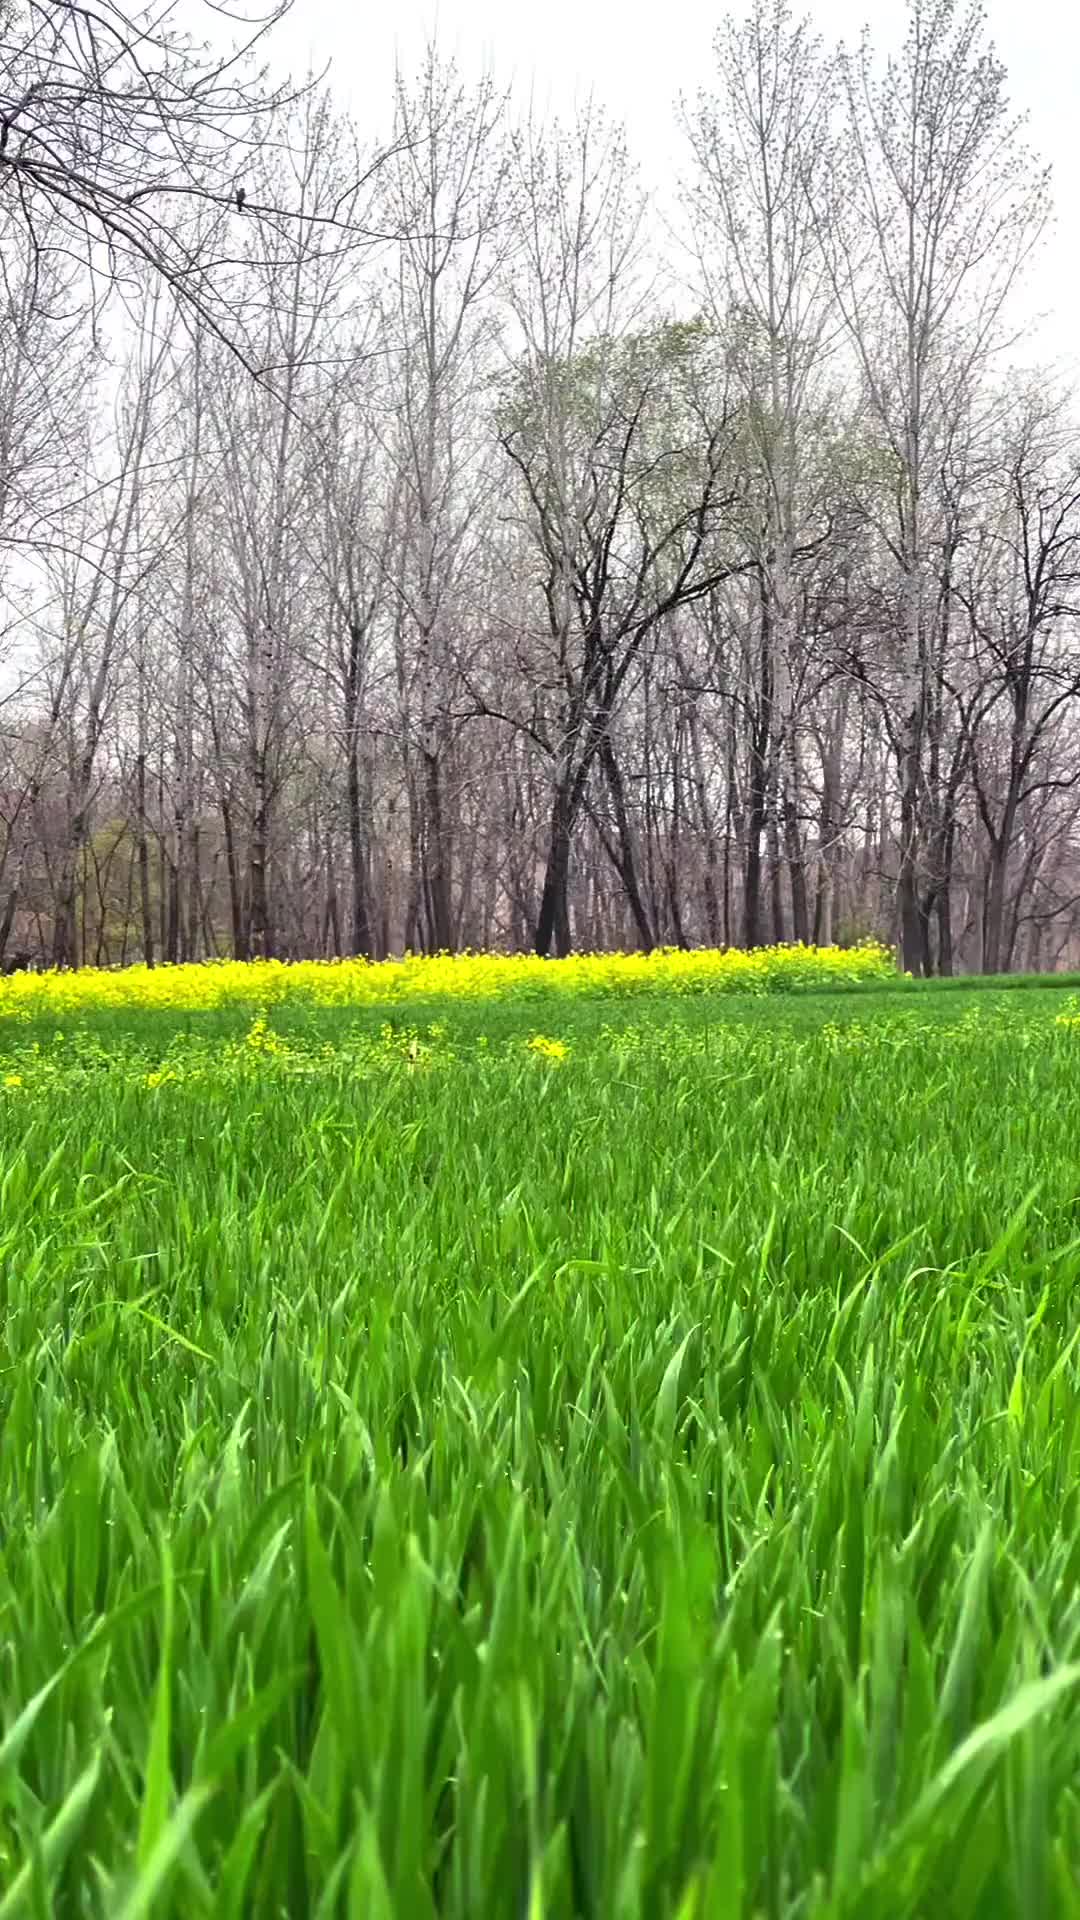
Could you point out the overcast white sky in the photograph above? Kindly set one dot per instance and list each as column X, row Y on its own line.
column 637, row 60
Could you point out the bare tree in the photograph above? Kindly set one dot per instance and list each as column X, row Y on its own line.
column 360, row 537
column 942, row 204
column 448, row 199
column 99, row 582
column 760, row 147
column 113, row 122
column 622, row 439
column 270, row 447
column 1021, row 594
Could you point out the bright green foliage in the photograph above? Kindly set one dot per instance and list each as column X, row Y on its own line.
column 628, row 1467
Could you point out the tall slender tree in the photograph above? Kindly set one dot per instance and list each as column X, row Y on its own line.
column 925, row 226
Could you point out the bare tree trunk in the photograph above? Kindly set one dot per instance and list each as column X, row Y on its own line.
column 776, row 876
column 997, row 862
column 143, row 854
column 553, row 918
column 796, row 865
column 756, row 820
column 241, row 950
column 708, row 832
column 437, row 856
column 625, row 861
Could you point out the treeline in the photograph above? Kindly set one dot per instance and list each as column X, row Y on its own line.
column 425, row 546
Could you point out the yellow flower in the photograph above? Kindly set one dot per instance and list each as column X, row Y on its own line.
column 547, row 1049
column 261, row 1039
column 13, row 1080
column 419, row 978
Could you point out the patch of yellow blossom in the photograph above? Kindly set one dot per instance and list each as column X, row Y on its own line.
column 545, row 1049
column 420, row 977
column 260, row 1038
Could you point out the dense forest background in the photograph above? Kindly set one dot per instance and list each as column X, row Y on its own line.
column 416, row 543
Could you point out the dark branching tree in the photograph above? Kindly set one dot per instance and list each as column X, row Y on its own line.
column 630, row 506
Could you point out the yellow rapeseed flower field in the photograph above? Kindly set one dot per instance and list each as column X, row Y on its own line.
column 415, row 978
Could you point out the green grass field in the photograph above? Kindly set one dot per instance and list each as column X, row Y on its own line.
column 444, row 1478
